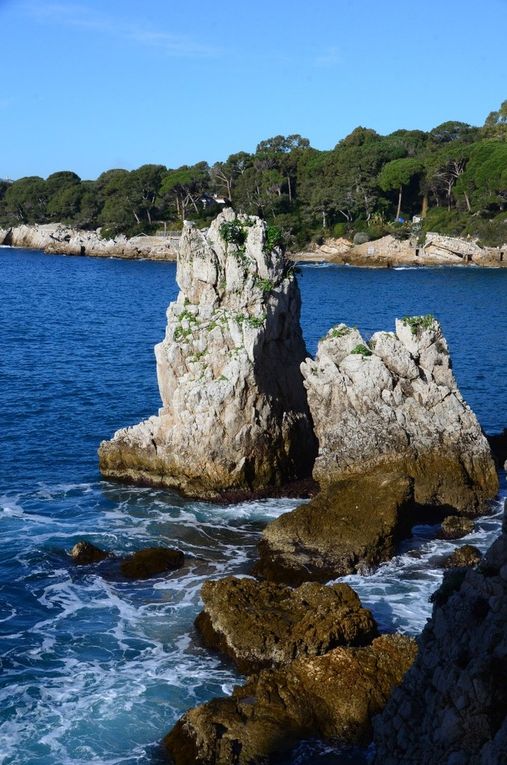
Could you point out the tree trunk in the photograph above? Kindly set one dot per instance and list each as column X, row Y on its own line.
column 324, row 220
column 424, row 208
column 289, row 186
column 148, row 214
column 398, row 211
column 469, row 207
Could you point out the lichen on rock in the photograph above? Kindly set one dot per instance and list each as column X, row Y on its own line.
column 234, row 414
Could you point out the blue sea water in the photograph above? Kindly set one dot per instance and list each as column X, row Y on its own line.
column 95, row 669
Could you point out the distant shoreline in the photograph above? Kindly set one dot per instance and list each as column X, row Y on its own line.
column 387, row 252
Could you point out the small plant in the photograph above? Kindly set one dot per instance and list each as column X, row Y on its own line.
column 361, row 350
column 266, row 285
column 419, row 322
column 274, row 238
column 252, row 321
column 181, row 334
column 233, row 232
column 339, row 332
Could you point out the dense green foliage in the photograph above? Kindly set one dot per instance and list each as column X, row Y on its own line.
column 454, row 177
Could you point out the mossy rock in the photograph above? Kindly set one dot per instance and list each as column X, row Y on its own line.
column 350, row 526
column 467, row 555
column 263, row 624
column 454, row 527
column 332, row 696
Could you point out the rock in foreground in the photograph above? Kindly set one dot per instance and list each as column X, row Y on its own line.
column 452, row 705
column 331, row 696
column 261, row 624
column 393, row 404
column 234, row 415
column 352, row 525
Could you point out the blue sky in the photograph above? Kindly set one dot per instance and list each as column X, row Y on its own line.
column 92, row 85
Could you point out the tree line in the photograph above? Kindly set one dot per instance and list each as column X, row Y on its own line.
column 453, row 177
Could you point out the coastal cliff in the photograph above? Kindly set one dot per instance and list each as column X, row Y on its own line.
column 234, row 414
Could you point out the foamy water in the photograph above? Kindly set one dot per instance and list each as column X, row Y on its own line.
column 96, row 669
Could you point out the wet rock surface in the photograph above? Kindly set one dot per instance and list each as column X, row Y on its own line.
column 261, row 624
column 468, row 555
column 151, row 561
column 331, row 696
column 454, row 527
column 351, row 525
column 84, row 553
column 452, row 705
column 235, row 414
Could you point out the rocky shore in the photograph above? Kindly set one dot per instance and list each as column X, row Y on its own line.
column 59, row 239
column 387, row 252
column 381, row 427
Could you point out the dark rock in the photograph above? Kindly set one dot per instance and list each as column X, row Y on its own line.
column 331, row 696
column 351, row 525
column 261, row 624
column 498, row 444
column 468, row 555
column 452, row 704
column 83, row 553
column 150, row 562
column 455, row 528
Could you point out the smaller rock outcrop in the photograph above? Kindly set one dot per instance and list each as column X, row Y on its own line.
column 83, row 553
column 151, row 561
column 261, row 624
column 454, row 527
column 331, row 696
column 393, row 404
column 467, row 555
column 234, row 415
column 350, row 526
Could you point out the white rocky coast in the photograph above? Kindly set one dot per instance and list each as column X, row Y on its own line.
column 234, row 414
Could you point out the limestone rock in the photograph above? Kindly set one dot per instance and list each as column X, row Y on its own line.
column 452, row 704
column 151, row 561
column 350, row 526
column 234, row 412
column 60, row 239
column 331, row 696
column 467, row 555
column 261, row 624
column 83, row 553
column 454, row 527
column 393, row 404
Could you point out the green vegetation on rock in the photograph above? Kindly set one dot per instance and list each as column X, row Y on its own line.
column 417, row 323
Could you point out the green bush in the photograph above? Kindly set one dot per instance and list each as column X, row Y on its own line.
column 339, row 230
column 361, row 237
column 361, row 350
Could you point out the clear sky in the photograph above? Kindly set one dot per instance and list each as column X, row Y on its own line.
column 96, row 84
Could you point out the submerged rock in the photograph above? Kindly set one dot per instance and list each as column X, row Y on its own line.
column 468, row 555
column 151, row 561
column 83, row 553
column 393, row 404
column 452, row 705
column 261, row 624
column 454, row 527
column 331, row 696
column 349, row 526
column 234, row 415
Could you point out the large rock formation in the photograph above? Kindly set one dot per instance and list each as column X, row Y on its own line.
column 261, row 624
column 352, row 525
column 393, row 404
column 331, row 696
column 452, row 705
column 234, row 415
column 64, row 240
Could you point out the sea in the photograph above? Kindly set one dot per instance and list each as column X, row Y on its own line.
column 94, row 668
